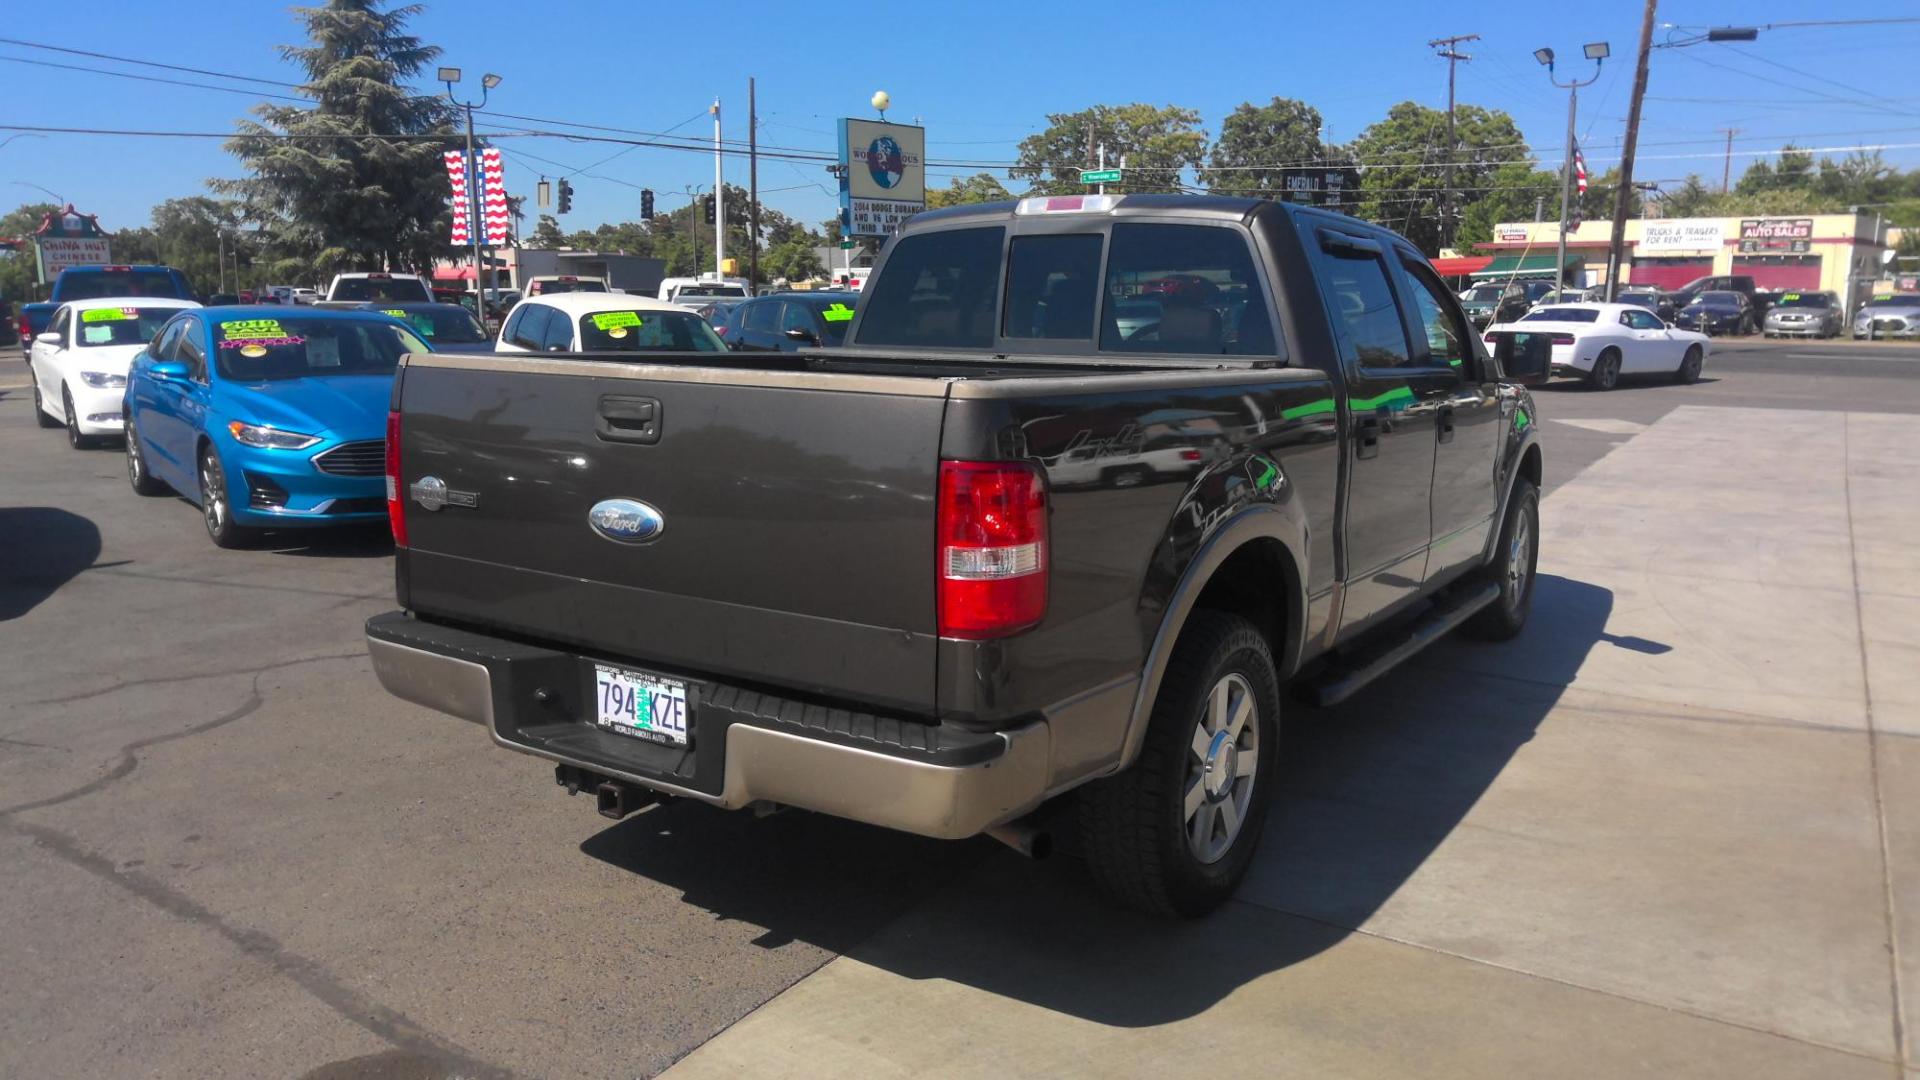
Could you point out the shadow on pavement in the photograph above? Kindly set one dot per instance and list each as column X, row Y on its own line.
column 1627, row 384
column 340, row 542
column 1370, row 789
column 41, row 549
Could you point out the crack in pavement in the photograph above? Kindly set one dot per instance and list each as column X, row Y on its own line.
column 243, row 585
column 160, row 680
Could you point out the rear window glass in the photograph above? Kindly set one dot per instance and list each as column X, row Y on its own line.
column 1561, row 314
column 1202, row 280
column 442, row 325
column 402, row 289
column 685, row 291
column 292, row 347
column 1052, row 282
column 938, row 291
column 544, row 288
column 121, row 325
column 647, row 331
column 835, row 317
column 95, row 284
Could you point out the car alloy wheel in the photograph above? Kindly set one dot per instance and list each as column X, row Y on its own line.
column 74, row 438
column 1222, row 768
column 213, row 496
column 1519, row 562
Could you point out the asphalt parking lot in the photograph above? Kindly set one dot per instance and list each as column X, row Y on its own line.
column 1672, row 830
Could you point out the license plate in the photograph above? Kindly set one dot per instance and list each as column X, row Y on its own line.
column 646, row 706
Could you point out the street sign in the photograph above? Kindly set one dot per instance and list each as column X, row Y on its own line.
column 1099, row 176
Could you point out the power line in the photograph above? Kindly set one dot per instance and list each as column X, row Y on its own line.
column 145, row 63
column 151, row 78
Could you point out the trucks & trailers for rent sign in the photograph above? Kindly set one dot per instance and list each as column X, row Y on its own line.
column 883, row 176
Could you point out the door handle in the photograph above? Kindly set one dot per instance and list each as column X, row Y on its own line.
column 1443, row 423
column 628, row 420
column 1366, row 437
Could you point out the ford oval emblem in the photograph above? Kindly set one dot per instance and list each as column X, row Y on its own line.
column 626, row 521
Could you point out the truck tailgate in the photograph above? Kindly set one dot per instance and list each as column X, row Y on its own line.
column 796, row 546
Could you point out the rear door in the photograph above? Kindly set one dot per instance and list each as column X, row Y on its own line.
column 797, row 516
column 1392, row 406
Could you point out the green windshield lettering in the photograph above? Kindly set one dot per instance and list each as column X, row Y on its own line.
column 613, row 320
column 837, row 313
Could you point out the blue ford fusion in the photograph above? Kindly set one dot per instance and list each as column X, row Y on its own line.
column 267, row 417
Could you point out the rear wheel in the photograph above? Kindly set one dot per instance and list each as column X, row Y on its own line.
column 215, row 509
column 1175, row 833
column 1689, row 370
column 1513, row 566
column 1606, row 371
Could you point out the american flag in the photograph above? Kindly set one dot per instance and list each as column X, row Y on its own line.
column 1579, row 171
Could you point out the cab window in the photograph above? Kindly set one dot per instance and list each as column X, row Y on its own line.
column 1052, row 283
column 1446, row 335
column 1184, row 289
column 1354, row 282
column 938, row 291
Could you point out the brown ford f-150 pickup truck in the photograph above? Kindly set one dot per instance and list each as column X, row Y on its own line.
column 1094, row 480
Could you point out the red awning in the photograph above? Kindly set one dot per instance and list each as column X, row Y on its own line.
column 455, row 273
column 1461, row 265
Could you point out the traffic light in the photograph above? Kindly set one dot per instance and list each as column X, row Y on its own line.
column 646, row 204
column 706, row 207
column 566, row 195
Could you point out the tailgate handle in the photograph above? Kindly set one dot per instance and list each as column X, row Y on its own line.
column 628, row 420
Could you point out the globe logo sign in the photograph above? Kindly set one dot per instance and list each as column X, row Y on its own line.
column 885, row 162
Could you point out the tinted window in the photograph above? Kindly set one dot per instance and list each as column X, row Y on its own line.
column 529, row 326
column 544, row 288
column 95, row 284
column 795, row 317
column 1052, row 282
column 835, row 315
column 293, row 346
column 765, row 316
column 1355, row 285
column 1562, row 314
column 1201, row 276
column 169, row 341
column 191, row 352
column 1721, row 299
column 647, row 331
column 938, row 291
column 1641, row 320
column 444, row 324
column 559, row 333
column 1446, row 337
column 685, row 291
column 400, row 289
column 121, row 325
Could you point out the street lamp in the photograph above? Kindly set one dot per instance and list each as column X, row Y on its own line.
column 1596, row 51
column 57, row 197
column 451, row 75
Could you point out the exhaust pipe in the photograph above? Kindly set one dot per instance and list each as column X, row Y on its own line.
column 1024, row 838
column 616, row 800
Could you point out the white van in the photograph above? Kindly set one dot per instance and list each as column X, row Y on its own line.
column 689, row 290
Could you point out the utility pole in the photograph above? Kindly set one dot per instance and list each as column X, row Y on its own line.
column 719, row 196
column 753, row 188
column 1453, row 56
column 1726, row 168
column 1623, row 195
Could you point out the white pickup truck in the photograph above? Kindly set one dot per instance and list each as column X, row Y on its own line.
column 351, row 290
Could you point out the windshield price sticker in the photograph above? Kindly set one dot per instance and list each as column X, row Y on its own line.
column 96, row 335
column 253, row 336
column 395, row 312
column 613, row 320
column 107, row 314
column 837, row 313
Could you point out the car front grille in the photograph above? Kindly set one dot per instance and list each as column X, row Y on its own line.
column 1890, row 325
column 365, row 458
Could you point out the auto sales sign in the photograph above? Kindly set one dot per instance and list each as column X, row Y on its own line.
column 1792, row 236
column 883, row 176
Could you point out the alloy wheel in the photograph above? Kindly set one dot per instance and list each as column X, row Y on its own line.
column 1221, row 768
column 213, row 498
column 1519, row 562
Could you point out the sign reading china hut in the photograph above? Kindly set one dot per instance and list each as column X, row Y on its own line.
column 69, row 238
column 1777, row 236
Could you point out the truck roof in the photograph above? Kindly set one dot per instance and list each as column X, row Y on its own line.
column 1223, row 206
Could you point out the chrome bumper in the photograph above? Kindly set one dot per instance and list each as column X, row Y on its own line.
column 761, row 764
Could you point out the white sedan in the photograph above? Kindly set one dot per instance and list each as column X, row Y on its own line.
column 605, row 322
column 79, row 363
column 1601, row 342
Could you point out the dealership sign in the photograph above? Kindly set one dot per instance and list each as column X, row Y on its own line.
column 883, row 176
column 1697, row 235
column 1510, row 234
column 1779, row 236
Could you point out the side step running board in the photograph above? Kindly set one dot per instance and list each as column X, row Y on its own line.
column 1342, row 681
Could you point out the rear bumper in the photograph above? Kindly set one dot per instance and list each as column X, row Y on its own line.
column 748, row 746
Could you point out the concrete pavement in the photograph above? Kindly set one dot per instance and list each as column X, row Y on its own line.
column 1674, row 829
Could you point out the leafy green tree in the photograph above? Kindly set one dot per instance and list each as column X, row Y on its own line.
column 355, row 187
column 1403, row 181
column 978, row 188
column 793, row 259
column 1518, row 187
column 1262, row 146
column 1157, row 143
column 18, row 268
column 547, row 234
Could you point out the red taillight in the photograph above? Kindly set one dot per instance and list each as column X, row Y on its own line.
column 396, row 504
column 1189, row 455
column 991, row 536
column 26, row 330
column 1563, row 339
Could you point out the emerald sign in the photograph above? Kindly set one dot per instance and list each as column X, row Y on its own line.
column 1099, row 176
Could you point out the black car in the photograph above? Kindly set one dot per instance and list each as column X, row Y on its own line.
column 437, row 324
column 1718, row 313
column 789, row 322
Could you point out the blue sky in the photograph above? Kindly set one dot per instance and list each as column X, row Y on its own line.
column 980, row 76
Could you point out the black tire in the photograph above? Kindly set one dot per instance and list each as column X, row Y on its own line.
column 1606, row 370
column 138, row 477
column 1512, row 568
column 1689, row 370
column 1130, row 476
column 74, row 438
column 1136, row 828
column 215, row 508
column 39, row 406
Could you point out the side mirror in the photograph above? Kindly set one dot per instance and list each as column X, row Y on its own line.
column 168, row 370
column 1526, row 359
column 52, row 338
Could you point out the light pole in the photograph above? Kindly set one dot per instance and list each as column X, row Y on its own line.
column 1597, row 52
column 57, row 197
column 451, row 75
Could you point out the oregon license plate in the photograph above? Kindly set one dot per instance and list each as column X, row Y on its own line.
column 647, row 706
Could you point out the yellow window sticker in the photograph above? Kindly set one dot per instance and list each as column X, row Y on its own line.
column 395, row 312
column 610, row 320
column 240, row 329
column 1791, row 296
column 837, row 313
column 108, row 314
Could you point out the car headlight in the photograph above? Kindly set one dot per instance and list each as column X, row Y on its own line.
column 101, row 380
column 270, row 438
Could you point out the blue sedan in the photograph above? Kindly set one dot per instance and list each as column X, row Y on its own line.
column 267, row 417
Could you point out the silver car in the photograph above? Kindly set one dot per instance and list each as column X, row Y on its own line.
column 1804, row 314
column 1889, row 316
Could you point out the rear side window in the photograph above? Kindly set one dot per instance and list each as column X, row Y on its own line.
column 529, row 328
column 1355, row 285
column 763, row 316
column 559, row 333
column 1052, row 282
column 938, row 291
column 1562, row 314
column 1184, row 289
